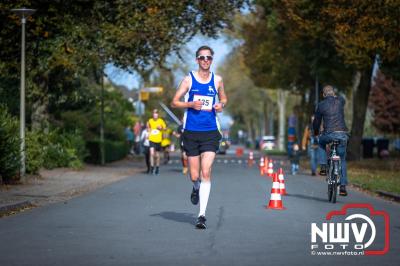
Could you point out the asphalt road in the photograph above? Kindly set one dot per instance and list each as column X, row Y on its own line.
column 149, row 220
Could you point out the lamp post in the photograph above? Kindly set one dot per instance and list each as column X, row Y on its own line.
column 23, row 13
column 102, row 148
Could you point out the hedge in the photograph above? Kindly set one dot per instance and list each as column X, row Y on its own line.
column 114, row 150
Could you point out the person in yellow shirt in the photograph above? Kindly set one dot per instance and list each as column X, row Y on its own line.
column 166, row 143
column 156, row 126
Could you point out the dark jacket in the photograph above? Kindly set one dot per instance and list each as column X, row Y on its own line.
column 331, row 111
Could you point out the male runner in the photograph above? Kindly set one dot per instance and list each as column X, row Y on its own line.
column 201, row 135
column 156, row 125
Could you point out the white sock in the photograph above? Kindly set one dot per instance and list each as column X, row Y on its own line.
column 204, row 194
column 196, row 184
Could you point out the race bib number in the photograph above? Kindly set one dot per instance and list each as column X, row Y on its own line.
column 155, row 132
column 207, row 101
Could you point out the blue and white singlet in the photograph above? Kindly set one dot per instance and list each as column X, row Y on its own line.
column 206, row 118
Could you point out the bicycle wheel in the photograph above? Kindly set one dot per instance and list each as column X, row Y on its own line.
column 330, row 190
column 334, row 190
column 329, row 180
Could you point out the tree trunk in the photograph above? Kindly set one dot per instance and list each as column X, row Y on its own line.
column 271, row 122
column 249, row 133
column 266, row 107
column 40, row 115
column 282, row 95
column 303, row 117
column 360, row 103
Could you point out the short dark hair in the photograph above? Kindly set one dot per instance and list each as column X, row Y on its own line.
column 328, row 90
column 204, row 47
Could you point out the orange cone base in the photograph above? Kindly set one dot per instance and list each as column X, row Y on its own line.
column 275, row 207
column 276, row 204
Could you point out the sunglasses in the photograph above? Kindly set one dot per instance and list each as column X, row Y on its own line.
column 204, row 57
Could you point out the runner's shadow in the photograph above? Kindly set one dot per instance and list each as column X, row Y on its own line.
column 300, row 196
column 177, row 217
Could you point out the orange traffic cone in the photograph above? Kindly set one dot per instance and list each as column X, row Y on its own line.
column 250, row 162
column 270, row 170
column 282, row 182
column 262, row 166
column 275, row 202
column 266, row 165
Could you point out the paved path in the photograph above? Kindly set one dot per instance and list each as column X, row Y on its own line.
column 149, row 220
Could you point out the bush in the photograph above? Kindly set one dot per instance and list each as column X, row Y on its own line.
column 114, row 150
column 35, row 152
column 54, row 149
column 10, row 159
column 63, row 150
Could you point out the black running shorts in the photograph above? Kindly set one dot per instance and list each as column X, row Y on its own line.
column 156, row 146
column 196, row 142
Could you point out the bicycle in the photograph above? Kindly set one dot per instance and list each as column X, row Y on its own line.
column 334, row 171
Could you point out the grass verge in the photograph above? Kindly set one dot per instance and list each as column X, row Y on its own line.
column 375, row 174
column 371, row 174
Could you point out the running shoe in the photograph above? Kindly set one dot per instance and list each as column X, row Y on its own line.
column 194, row 197
column 201, row 222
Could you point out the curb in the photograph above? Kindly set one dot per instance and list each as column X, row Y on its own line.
column 393, row 196
column 380, row 193
column 5, row 209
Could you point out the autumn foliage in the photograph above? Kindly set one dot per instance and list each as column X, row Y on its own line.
column 385, row 103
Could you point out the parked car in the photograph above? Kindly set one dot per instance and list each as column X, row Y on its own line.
column 224, row 145
column 267, row 143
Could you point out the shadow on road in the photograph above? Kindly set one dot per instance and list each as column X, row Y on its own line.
column 175, row 170
column 300, row 196
column 177, row 217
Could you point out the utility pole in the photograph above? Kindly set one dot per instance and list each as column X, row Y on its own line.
column 23, row 13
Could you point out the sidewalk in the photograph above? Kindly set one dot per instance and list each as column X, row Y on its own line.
column 62, row 184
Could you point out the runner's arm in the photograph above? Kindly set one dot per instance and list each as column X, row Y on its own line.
column 223, row 100
column 182, row 90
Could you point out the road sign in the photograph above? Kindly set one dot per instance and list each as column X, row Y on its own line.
column 153, row 89
column 144, row 95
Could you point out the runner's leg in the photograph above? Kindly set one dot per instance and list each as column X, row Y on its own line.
column 157, row 158
column 152, row 151
column 194, row 168
column 184, row 162
column 207, row 159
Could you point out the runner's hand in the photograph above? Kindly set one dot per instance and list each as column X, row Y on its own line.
column 218, row 107
column 197, row 105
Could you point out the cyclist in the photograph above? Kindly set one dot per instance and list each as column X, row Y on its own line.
column 331, row 112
